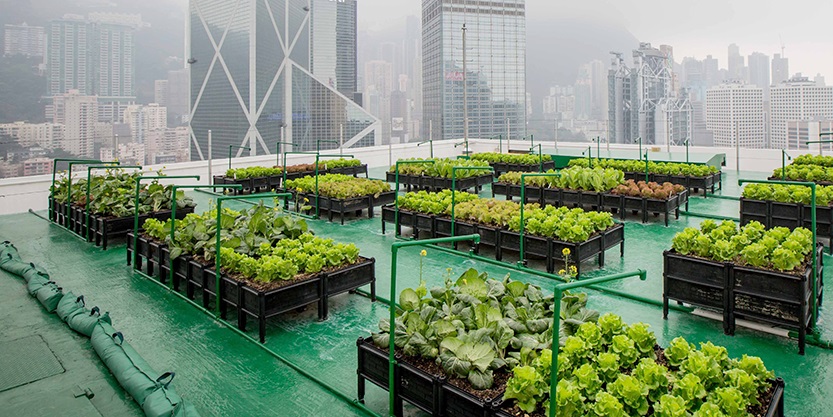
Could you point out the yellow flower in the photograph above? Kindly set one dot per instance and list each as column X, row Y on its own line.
column 423, row 253
column 562, row 272
column 573, row 268
column 306, row 200
column 566, row 252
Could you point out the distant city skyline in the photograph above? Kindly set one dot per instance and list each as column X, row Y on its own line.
column 694, row 30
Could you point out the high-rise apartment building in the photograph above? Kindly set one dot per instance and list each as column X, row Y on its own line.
column 24, row 40
column 81, row 115
column 735, row 115
column 795, row 100
column 711, row 71
column 493, row 73
column 780, row 69
column 643, row 103
column 253, row 77
column 91, row 57
column 759, row 70
column 177, row 94
column 45, row 135
column 160, row 92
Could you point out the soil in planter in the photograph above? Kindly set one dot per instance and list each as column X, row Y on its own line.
column 431, row 367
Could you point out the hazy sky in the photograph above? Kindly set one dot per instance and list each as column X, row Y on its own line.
column 693, row 28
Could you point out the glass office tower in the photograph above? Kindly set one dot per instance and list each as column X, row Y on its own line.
column 255, row 76
column 495, row 67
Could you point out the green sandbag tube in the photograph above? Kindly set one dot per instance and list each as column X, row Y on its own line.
column 49, row 295
column 35, row 283
column 132, row 372
column 84, row 322
column 164, row 401
column 185, row 409
column 69, row 306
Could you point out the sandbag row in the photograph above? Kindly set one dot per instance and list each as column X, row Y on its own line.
column 151, row 390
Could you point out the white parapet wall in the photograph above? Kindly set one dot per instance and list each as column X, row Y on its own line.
column 18, row 195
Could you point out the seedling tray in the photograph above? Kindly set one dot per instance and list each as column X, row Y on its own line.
column 776, row 298
column 432, row 394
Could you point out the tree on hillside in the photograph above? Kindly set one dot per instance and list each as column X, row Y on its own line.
column 21, row 89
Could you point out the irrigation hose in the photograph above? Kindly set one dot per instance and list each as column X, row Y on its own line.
column 285, row 361
column 813, row 339
column 708, row 216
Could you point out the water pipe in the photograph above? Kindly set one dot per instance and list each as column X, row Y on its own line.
column 430, row 143
column 556, row 318
column 784, row 157
column 589, row 153
column 394, row 248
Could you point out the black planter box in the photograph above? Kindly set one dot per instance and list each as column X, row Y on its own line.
column 156, row 258
column 350, row 205
column 691, row 183
column 791, row 215
column 502, row 240
column 354, row 170
column 432, row 394
column 772, row 297
column 598, row 201
column 246, row 183
column 103, row 229
column 263, row 305
column 441, row 183
column 502, row 167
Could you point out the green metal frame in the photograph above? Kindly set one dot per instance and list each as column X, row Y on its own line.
column 522, row 261
column 647, row 174
column 69, row 185
column 639, row 140
column 394, row 248
column 454, row 190
column 687, row 144
column 89, row 180
column 467, row 146
column 598, row 140
column 278, row 151
column 320, row 141
column 396, row 201
column 822, row 142
column 556, row 318
column 815, row 309
column 230, row 147
column 136, row 206
column 318, row 157
column 217, row 274
column 54, row 169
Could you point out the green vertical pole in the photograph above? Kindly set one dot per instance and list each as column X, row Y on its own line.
column 646, row 167
column 136, row 206
column 87, row 202
column 396, row 200
column 556, row 322
column 392, row 307
column 521, row 261
column 454, row 190
column 640, row 147
column 687, row 144
column 54, row 170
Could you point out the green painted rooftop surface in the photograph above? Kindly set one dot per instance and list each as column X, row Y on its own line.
column 225, row 374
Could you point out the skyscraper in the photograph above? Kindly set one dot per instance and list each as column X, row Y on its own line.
column 711, row 71
column 643, row 103
column 780, row 69
column 80, row 114
column 495, row 68
column 759, row 70
column 255, row 76
column 736, row 64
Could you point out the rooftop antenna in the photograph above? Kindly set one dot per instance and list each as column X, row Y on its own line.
column 782, row 45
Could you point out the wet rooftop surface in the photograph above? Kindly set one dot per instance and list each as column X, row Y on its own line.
column 225, row 374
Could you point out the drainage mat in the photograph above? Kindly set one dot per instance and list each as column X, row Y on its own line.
column 26, row 360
